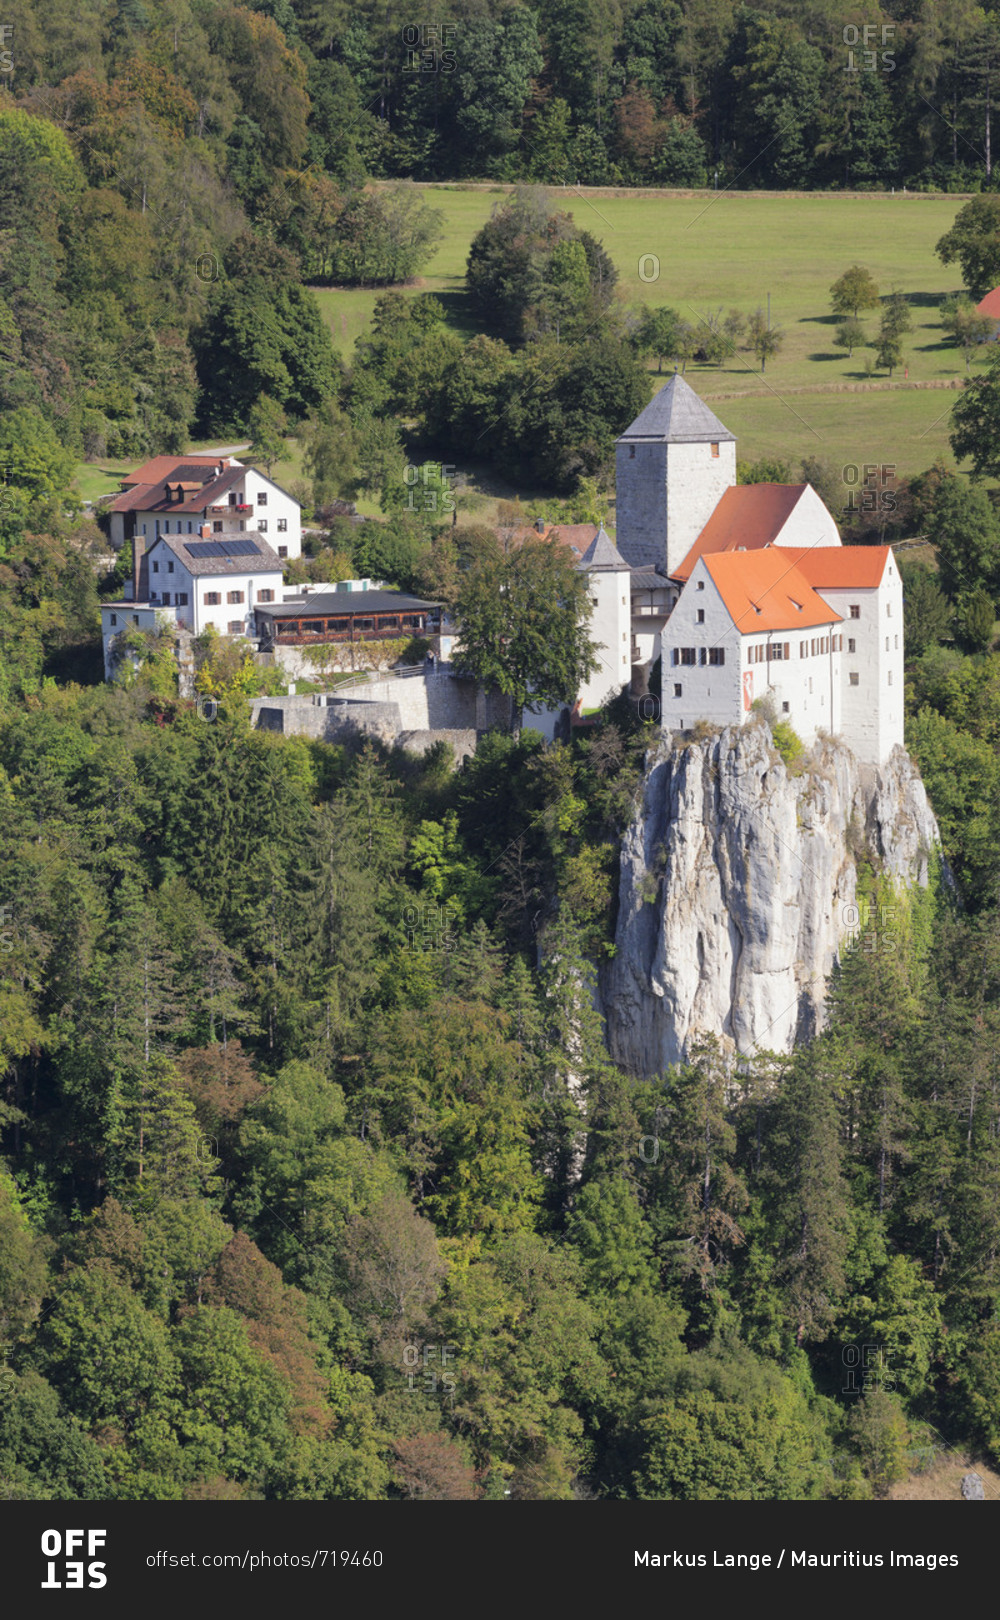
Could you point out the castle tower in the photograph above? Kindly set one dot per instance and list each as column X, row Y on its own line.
column 673, row 465
column 609, row 584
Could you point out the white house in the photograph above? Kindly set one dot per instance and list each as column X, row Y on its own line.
column 863, row 584
column 185, row 495
column 208, row 583
column 818, row 630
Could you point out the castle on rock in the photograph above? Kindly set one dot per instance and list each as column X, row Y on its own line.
column 745, row 591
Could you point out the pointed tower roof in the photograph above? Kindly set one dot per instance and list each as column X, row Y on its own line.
column 602, row 555
column 678, row 416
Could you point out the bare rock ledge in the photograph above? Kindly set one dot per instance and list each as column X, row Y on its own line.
column 738, row 889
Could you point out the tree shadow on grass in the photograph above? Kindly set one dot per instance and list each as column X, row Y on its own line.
column 458, row 310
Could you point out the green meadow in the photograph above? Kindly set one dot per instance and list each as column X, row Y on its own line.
column 701, row 252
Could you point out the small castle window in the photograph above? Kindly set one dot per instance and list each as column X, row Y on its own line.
column 855, row 678
column 715, row 452
column 701, row 615
column 890, row 677
column 678, row 689
column 702, row 656
column 631, row 452
column 114, row 618
column 855, row 611
column 851, row 644
column 701, row 584
column 717, row 655
column 785, row 708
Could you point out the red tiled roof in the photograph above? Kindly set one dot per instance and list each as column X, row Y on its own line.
column 764, row 590
column 172, row 467
column 577, row 536
column 750, row 516
column 990, row 305
column 154, row 498
column 839, row 567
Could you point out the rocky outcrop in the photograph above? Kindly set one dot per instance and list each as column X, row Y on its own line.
column 739, row 885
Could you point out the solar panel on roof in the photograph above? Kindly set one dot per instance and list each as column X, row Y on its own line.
column 240, row 548
column 206, row 548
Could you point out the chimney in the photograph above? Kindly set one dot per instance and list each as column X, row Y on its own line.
column 138, row 552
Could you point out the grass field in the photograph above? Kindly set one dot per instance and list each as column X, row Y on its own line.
column 699, row 251
column 943, row 1482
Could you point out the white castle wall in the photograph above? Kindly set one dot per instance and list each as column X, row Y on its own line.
column 610, row 631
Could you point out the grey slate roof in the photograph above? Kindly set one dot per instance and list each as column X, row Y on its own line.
column 678, row 416
column 647, row 579
column 346, row 604
column 603, row 554
column 262, row 559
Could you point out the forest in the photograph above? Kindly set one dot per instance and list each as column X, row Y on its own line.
column 317, row 1181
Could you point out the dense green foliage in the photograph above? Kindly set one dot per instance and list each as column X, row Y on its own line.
column 318, row 1180
column 316, row 1177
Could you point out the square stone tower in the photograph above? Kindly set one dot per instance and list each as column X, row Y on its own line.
column 673, row 465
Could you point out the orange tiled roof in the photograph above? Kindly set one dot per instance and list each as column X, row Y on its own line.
column 750, row 516
column 839, row 567
column 764, row 590
column 990, row 305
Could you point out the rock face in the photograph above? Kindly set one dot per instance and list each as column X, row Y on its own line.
column 738, row 888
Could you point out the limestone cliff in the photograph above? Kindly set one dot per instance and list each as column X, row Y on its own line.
column 738, row 887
